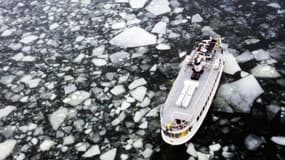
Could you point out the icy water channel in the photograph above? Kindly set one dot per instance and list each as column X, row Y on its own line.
column 84, row 79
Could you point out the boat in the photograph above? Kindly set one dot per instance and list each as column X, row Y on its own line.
column 192, row 92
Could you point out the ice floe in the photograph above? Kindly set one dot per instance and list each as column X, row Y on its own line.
column 138, row 143
column 162, row 46
column 158, row 7
column 274, row 5
column 69, row 88
column 53, row 26
column 118, row 90
column 98, row 51
column 196, row 18
column 231, row 66
column 147, row 153
column 29, row 39
column 264, row 71
column 272, row 111
column 260, row 54
column 252, row 142
column 136, row 83
column 159, row 28
column 137, row 3
column 99, row 62
column 278, row 140
column 241, row 93
column 8, row 32
column 92, row 151
column 251, row 41
column 245, row 57
column 119, row 57
column 57, row 117
column 76, row 97
column 139, row 93
column 140, row 114
column 109, row 155
column 191, row 150
column 46, row 145
column 119, row 25
column 68, row 140
column 6, row 148
column 6, row 111
column 133, row 37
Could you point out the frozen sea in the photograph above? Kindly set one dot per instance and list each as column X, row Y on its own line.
column 84, row 79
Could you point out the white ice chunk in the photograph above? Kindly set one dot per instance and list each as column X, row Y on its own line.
column 145, row 102
column 274, row 5
column 159, row 28
column 158, row 7
column 69, row 88
column 76, row 98
column 6, row 148
column 207, row 30
column 79, row 38
column 68, row 140
column 8, row 32
column 57, row 117
column 264, row 71
column 139, row 114
column 119, row 57
column 147, row 152
column 98, row 51
column 81, row 147
column 202, row 156
column 139, row 93
column 29, row 39
column 85, row 2
column 109, row 155
column 278, row 140
column 121, row 1
column 191, row 150
column 92, row 151
column 143, row 125
column 118, row 90
column 6, row 80
column 31, row 83
column 125, row 105
column 138, row 143
column 119, row 25
column 18, row 57
column 196, row 18
column 133, row 37
column 215, row 147
column 245, row 57
column 162, row 46
column 153, row 112
column 79, row 58
column 46, row 145
column 251, row 41
column 260, row 54
column 241, row 94
column 231, row 66
column 6, row 111
column 99, row 62
column 136, row 83
column 137, row 3
column 53, row 26
column 28, row 59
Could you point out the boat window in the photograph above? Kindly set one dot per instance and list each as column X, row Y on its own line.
column 178, row 121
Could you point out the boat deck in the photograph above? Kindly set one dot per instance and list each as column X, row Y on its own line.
column 170, row 111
